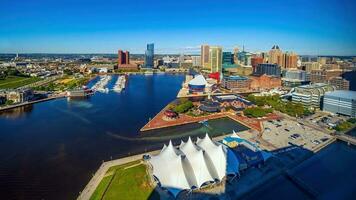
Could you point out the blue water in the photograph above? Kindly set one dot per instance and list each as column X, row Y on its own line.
column 49, row 150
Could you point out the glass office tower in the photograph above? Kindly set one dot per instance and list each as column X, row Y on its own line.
column 149, row 56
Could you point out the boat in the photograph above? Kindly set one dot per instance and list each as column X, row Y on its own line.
column 120, row 84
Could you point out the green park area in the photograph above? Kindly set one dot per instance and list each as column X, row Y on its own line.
column 346, row 125
column 127, row 181
column 12, row 82
column 181, row 105
column 65, row 83
column 257, row 111
column 274, row 102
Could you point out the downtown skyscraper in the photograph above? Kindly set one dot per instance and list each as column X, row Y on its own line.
column 149, row 56
column 215, row 59
column 204, row 56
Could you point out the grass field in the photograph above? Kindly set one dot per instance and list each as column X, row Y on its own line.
column 128, row 181
column 17, row 81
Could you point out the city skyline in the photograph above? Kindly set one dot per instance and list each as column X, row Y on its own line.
column 307, row 28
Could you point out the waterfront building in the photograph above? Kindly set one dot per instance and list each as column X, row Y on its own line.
column 196, row 61
column 340, row 102
column 204, row 56
column 124, row 61
column 256, row 61
column 209, row 106
column 20, row 95
column 215, row 59
column 149, row 56
column 311, row 95
column 123, row 58
column 236, row 83
column 265, row 82
column 197, row 84
column 269, row 69
column 227, row 58
column 194, row 165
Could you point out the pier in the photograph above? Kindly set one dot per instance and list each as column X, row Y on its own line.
column 347, row 138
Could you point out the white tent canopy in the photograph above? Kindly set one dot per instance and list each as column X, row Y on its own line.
column 169, row 167
column 216, row 154
column 196, row 158
column 193, row 164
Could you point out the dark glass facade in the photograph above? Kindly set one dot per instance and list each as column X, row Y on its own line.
column 268, row 69
column 227, row 58
column 149, row 56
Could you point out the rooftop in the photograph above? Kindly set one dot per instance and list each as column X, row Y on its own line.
column 342, row 93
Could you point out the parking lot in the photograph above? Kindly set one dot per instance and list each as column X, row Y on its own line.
column 284, row 133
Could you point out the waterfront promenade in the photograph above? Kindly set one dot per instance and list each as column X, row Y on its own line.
column 158, row 122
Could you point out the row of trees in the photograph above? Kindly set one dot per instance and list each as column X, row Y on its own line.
column 274, row 101
column 257, row 111
column 11, row 72
column 346, row 125
column 181, row 106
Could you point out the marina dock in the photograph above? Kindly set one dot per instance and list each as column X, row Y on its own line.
column 347, row 138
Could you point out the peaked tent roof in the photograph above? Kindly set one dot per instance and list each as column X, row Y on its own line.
column 196, row 158
column 216, row 154
column 168, row 161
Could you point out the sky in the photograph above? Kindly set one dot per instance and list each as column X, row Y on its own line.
column 307, row 27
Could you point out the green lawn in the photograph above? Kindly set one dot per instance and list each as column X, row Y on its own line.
column 12, row 82
column 128, row 181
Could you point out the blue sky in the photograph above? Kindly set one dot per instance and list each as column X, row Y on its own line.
column 315, row 27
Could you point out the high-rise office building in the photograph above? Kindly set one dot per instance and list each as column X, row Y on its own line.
column 149, row 56
column 275, row 56
column 123, row 58
column 215, row 59
column 227, row 58
column 196, row 61
column 205, row 56
column 290, row 60
column 255, row 61
column 268, row 69
column 236, row 55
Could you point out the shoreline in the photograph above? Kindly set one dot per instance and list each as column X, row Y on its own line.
column 32, row 102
